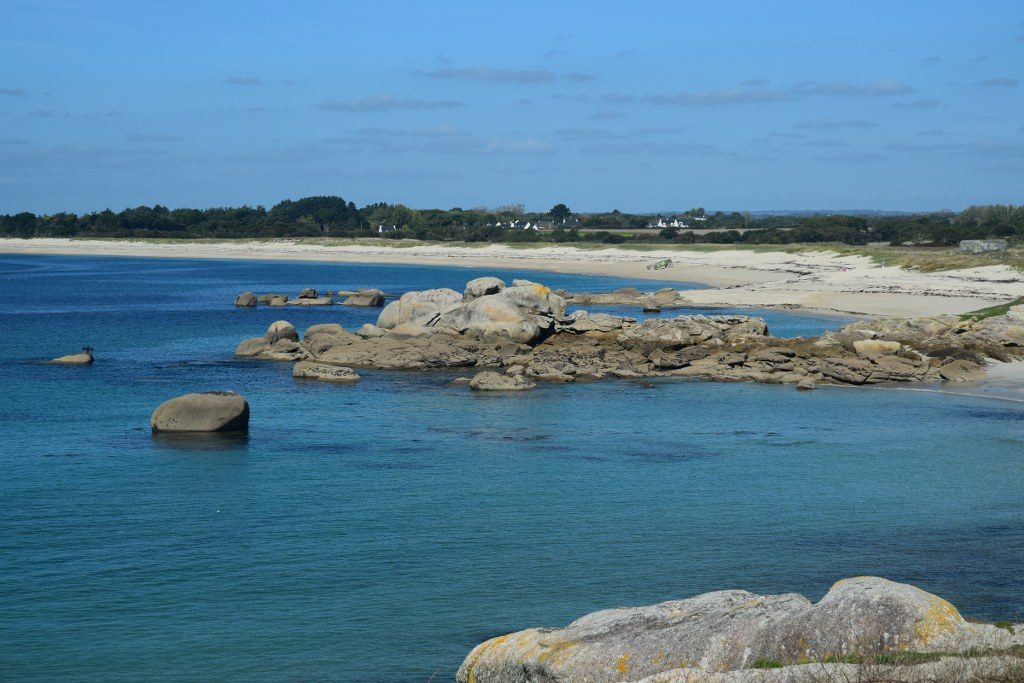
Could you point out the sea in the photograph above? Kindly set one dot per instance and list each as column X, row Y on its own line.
column 379, row 531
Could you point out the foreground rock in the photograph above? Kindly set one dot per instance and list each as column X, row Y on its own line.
column 859, row 619
column 83, row 357
column 524, row 329
column 208, row 411
column 324, row 372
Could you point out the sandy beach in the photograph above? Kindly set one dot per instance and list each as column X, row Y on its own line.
column 820, row 281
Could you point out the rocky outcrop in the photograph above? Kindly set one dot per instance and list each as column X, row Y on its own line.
column 267, row 298
column 482, row 286
column 631, row 296
column 371, row 298
column 492, row 381
column 324, row 372
column 307, row 293
column 245, row 299
column 83, row 357
column 524, row 329
column 208, row 411
column 250, row 348
column 735, row 631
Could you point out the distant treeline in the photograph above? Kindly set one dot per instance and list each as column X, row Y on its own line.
column 334, row 217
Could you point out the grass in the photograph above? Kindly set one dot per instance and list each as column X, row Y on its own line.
column 767, row 664
column 991, row 312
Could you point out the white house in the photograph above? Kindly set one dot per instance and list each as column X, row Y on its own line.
column 381, row 228
column 673, row 222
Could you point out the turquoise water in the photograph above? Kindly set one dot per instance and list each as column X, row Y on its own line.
column 377, row 532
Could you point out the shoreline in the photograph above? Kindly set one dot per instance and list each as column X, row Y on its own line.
column 817, row 281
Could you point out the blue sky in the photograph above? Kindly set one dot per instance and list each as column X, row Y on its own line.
column 640, row 106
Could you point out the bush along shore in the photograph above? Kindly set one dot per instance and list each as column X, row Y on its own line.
column 864, row 629
column 523, row 331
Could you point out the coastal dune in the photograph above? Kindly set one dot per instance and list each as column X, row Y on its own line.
column 819, row 280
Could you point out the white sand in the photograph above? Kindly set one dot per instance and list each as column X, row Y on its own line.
column 822, row 281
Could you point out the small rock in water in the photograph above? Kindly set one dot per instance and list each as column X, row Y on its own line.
column 83, row 357
column 307, row 293
column 246, row 299
column 323, row 371
column 492, row 381
column 372, row 298
column 208, row 411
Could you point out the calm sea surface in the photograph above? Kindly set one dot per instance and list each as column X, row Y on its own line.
column 377, row 532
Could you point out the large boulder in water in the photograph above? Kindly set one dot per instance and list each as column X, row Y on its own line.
column 208, row 411
column 373, row 298
column 83, row 357
column 482, row 286
column 307, row 293
column 732, row 630
column 245, row 299
column 281, row 329
column 419, row 308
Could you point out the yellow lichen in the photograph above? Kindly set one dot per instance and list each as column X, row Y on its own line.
column 480, row 651
column 621, row 665
column 940, row 619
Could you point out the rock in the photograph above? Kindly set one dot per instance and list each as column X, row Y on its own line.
column 731, row 630
column 281, row 329
column 368, row 331
column 482, row 286
column 962, row 371
column 459, row 382
column 307, row 293
column 538, row 299
column 581, row 322
column 1016, row 314
column 492, row 381
column 266, row 298
column 285, row 350
column 806, row 384
column 209, row 411
column 323, row 328
column 867, row 348
column 245, row 299
column 252, row 347
column 366, row 297
column 520, row 282
column 420, row 308
column 322, row 371
column 83, row 357
column 278, row 301
column 312, row 301
column 492, row 315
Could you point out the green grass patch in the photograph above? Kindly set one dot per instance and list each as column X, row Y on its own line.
column 767, row 664
column 991, row 312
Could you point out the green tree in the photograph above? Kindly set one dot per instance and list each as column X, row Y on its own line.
column 559, row 212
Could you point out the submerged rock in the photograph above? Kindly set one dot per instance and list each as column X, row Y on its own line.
column 83, row 357
column 732, row 630
column 245, row 299
column 324, row 372
column 208, row 411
